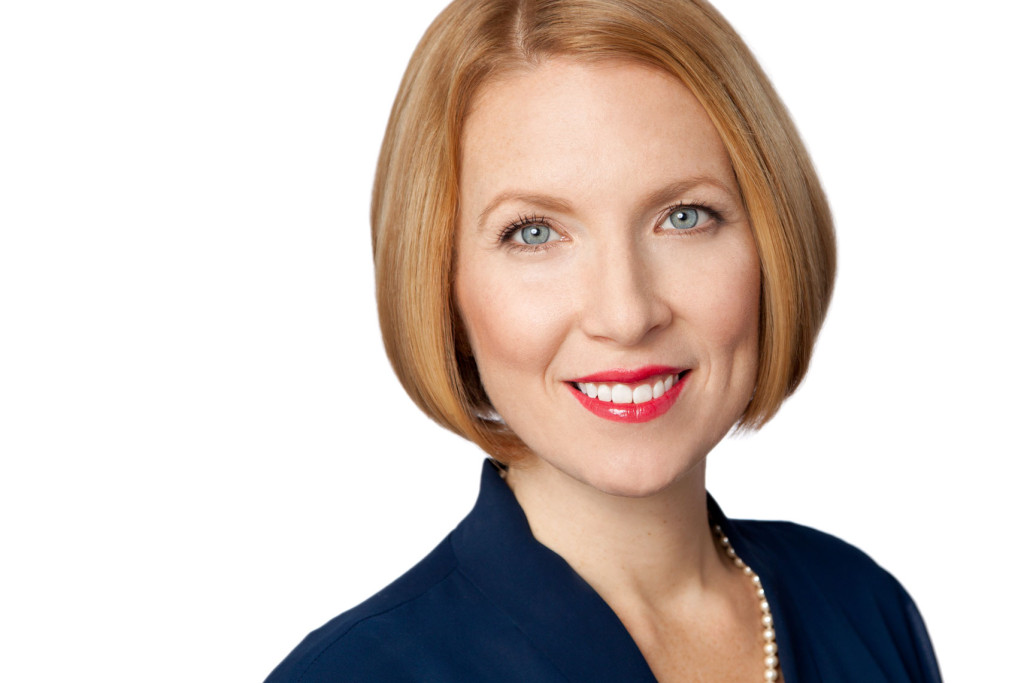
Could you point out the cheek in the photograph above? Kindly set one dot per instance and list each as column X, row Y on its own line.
column 724, row 319
column 724, row 303
column 736, row 309
column 515, row 326
column 739, row 329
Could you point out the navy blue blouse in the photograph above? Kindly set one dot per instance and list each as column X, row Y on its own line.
column 490, row 603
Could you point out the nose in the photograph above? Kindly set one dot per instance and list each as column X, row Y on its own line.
column 621, row 301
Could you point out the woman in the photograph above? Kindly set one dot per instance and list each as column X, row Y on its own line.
column 600, row 246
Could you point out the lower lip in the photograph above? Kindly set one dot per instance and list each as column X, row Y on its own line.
column 633, row 413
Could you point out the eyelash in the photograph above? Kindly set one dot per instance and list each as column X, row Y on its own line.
column 714, row 220
column 522, row 222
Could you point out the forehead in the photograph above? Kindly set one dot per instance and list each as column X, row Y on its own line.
column 576, row 128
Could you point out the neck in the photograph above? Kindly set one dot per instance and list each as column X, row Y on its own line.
column 641, row 550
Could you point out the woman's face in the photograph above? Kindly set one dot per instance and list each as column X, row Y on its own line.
column 606, row 272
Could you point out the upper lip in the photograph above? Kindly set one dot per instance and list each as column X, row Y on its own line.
column 625, row 376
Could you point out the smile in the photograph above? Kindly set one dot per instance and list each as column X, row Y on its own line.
column 630, row 396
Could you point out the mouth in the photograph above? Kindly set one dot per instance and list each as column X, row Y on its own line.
column 630, row 396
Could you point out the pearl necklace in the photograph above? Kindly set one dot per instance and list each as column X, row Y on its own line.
column 771, row 650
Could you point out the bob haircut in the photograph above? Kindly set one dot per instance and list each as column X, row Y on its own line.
column 416, row 193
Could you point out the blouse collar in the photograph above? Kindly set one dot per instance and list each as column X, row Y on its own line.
column 547, row 600
column 561, row 615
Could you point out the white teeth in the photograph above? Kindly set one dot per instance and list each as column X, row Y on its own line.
column 621, row 394
column 643, row 393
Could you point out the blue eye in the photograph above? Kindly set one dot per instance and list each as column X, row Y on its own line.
column 530, row 234
column 685, row 218
column 534, row 234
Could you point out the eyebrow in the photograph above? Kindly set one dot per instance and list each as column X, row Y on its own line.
column 540, row 200
column 664, row 195
column 673, row 191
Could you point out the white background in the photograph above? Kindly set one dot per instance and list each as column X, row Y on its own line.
column 204, row 452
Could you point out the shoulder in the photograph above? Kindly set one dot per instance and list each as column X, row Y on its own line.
column 432, row 624
column 846, row 611
column 795, row 543
column 367, row 642
column 824, row 567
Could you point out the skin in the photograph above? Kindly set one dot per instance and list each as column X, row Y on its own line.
column 599, row 154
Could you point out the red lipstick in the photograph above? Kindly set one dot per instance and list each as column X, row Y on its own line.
column 626, row 376
column 631, row 412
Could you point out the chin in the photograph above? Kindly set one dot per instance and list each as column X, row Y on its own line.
column 637, row 475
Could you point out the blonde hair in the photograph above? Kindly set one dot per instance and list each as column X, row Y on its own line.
column 415, row 197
